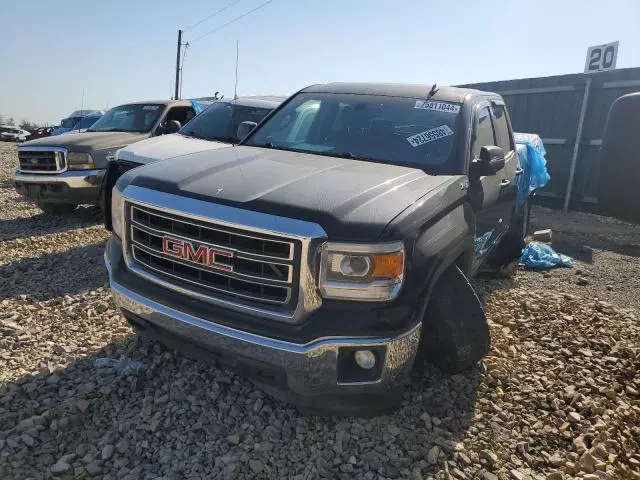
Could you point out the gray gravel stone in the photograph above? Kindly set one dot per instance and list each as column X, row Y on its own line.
column 256, row 466
column 60, row 467
column 93, row 469
column 107, row 452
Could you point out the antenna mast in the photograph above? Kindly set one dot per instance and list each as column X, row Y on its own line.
column 81, row 109
column 235, row 87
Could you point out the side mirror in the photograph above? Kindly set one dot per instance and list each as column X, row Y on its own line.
column 172, row 126
column 491, row 161
column 245, row 128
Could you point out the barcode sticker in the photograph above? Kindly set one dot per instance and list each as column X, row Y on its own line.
column 429, row 135
column 437, row 106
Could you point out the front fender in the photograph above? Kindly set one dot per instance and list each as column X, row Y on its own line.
column 449, row 241
column 438, row 231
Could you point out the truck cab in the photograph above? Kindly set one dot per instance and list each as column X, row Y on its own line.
column 60, row 172
column 78, row 121
column 332, row 247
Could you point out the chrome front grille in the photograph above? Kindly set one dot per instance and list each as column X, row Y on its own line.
column 226, row 263
column 42, row 160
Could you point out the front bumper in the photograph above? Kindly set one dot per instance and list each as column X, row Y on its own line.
column 72, row 186
column 310, row 375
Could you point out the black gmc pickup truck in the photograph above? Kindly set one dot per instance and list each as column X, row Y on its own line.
column 330, row 249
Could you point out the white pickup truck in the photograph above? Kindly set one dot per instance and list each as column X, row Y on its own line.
column 214, row 128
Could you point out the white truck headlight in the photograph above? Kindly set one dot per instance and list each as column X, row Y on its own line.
column 80, row 161
column 117, row 213
column 365, row 272
column 113, row 156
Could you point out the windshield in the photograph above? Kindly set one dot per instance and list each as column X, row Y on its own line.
column 86, row 122
column 129, row 118
column 69, row 122
column 404, row 131
column 220, row 121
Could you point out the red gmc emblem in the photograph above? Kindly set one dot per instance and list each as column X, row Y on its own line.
column 203, row 255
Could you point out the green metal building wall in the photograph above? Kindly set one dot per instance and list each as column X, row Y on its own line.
column 551, row 107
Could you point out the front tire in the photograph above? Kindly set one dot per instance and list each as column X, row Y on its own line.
column 455, row 333
column 57, row 208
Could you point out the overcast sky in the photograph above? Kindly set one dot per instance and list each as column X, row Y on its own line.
column 119, row 51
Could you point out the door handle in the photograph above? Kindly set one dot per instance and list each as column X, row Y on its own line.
column 519, row 171
column 505, row 183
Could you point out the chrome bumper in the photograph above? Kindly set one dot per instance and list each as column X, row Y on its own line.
column 72, row 178
column 311, row 369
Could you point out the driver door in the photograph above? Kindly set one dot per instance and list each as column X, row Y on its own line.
column 485, row 191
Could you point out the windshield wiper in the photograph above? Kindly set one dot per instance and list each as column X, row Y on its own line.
column 224, row 139
column 350, row 155
column 192, row 135
column 111, row 130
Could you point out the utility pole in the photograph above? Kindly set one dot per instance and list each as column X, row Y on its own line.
column 177, row 92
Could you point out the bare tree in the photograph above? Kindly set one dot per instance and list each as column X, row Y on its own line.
column 1, row 119
column 11, row 121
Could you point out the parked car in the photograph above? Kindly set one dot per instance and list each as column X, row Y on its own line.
column 332, row 247
column 40, row 132
column 9, row 133
column 216, row 127
column 78, row 121
column 63, row 171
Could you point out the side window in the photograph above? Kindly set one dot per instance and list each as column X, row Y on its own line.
column 501, row 127
column 181, row 114
column 484, row 132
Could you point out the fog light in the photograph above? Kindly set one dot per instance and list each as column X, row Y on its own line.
column 365, row 359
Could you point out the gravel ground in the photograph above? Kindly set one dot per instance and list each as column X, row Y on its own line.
column 82, row 396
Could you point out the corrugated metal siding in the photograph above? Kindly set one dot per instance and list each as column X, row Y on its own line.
column 550, row 107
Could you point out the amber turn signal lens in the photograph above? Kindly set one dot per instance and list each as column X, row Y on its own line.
column 388, row 265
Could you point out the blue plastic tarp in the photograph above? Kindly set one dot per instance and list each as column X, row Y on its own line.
column 532, row 160
column 541, row 256
column 200, row 105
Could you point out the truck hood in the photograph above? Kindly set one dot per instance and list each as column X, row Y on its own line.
column 352, row 200
column 166, row 146
column 88, row 141
column 98, row 144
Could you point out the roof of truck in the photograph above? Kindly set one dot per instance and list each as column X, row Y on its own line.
column 254, row 102
column 163, row 102
column 444, row 93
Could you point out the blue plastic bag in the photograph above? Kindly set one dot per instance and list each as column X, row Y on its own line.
column 532, row 160
column 541, row 256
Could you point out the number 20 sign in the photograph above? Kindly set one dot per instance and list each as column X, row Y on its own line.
column 601, row 58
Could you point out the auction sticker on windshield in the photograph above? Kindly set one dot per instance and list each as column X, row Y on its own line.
column 429, row 135
column 437, row 106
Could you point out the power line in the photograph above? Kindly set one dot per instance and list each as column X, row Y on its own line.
column 226, row 7
column 232, row 21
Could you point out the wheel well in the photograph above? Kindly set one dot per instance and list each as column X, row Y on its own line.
column 464, row 261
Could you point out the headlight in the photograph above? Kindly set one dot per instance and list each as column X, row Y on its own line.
column 113, row 156
column 368, row 272
column 80, row 161
column 117, row 212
